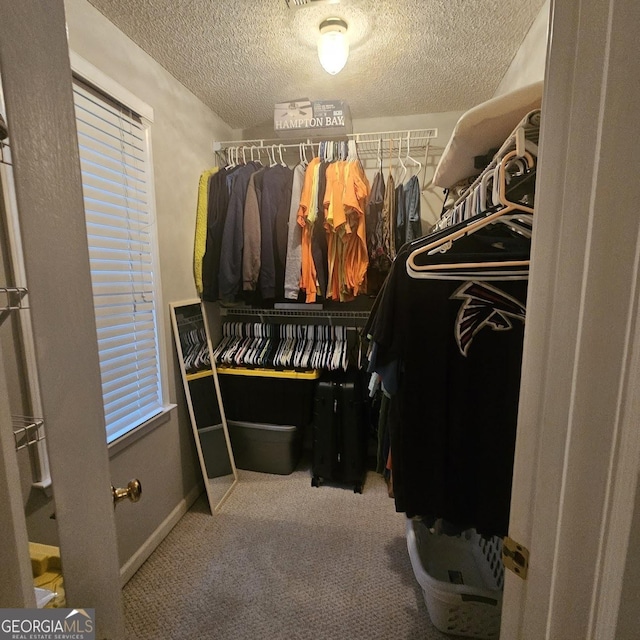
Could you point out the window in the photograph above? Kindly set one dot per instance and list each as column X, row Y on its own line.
column 120, row 217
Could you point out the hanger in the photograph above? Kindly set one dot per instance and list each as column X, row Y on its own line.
column 282, row 162
column 409, row 158
column 443, row 243
column 404, row 168
column 229, row 164
column 352, row 155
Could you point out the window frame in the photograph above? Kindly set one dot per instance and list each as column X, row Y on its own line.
column 87, row 73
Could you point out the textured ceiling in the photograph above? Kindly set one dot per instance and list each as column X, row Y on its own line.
column 414, row 56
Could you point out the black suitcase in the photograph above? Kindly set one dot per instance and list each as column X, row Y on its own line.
column 339, row 433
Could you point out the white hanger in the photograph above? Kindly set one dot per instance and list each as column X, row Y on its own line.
column 230, row 163
column 282, row 162
column 273, row 155
column 353, row 151
column 444, row 242
column 408, row 157
column 404, row 168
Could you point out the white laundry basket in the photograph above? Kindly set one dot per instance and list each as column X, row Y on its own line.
column 461, row 579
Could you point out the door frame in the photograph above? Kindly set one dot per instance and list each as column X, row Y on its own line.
column 578, row 445
column 36, row 76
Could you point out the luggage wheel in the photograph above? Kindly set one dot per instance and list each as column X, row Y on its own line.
column 357, row 488
column 315, row 481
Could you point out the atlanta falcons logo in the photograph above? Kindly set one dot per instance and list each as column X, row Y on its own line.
column 483, row 305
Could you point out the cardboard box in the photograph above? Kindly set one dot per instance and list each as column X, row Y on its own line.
column 317, row 118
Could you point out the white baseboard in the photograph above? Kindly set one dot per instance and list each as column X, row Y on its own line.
column 149, row 546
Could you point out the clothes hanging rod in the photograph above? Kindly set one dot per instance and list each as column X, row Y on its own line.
column 413, row 135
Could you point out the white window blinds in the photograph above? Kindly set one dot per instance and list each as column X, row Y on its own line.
column 115, row 179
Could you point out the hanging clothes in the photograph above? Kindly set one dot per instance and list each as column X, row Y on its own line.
column 355, row 202
column 319, row 242
column 379, row 260
column 401, row 219
column 230, row 274
column 293, row 266
column 252, row 236
column 460, row 339
column 389, row 218
column 413, row 225
column 274, row 209
column 345, row 204
column 219, row 194
column 200, row 241
column 308, row 278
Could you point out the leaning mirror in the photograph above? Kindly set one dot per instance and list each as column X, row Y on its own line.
column 204, row 402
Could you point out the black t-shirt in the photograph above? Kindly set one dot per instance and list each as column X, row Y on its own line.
column 458, row 349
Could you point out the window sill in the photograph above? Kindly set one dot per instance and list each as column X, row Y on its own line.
column 128, row 439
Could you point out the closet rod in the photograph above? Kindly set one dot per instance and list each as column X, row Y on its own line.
column 414, row 135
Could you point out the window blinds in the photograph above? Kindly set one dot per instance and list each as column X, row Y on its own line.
column 115, row 167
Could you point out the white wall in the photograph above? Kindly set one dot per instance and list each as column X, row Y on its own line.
column 529, row 62
column 182, row 134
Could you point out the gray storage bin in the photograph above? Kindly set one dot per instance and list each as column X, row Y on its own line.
column 269, row 448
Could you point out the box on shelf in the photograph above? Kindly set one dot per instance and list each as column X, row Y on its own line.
column 269, row 448
column 312, row 118
column 461, row 579
column 214, row 451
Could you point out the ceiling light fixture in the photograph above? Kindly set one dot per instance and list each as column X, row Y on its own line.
column 333, row 46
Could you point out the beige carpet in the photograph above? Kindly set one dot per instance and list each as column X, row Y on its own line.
column 282, row 561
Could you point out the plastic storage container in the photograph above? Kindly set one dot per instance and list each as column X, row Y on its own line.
column 269, row 448
column 461, row 579
column 268, row 396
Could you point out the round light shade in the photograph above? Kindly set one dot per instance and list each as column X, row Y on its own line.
column 333, row 46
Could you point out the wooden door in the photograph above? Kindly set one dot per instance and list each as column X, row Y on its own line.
column 578, row 445
column 36, row 77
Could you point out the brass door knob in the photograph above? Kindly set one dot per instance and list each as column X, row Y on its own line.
column 133, row 491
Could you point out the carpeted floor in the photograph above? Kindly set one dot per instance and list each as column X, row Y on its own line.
column 282, row 561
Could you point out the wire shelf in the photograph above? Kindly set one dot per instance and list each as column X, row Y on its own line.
column 12, row 298
column 5, row 153
column 367, row 143
column 291, row 313
column 27, row 431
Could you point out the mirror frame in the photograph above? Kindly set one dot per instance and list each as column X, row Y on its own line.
column 174, row 307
